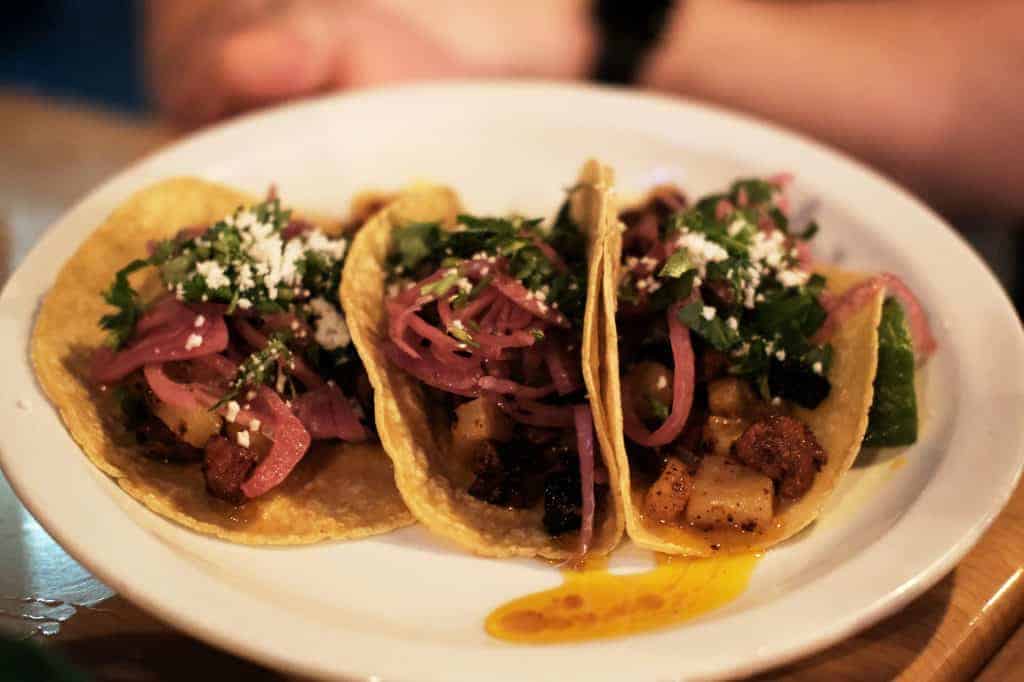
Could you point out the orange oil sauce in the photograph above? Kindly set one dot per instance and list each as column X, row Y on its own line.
column 593, row 603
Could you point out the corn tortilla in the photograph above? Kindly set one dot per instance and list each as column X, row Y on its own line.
column 338, row 491
column 839, row 423
column 418, row 438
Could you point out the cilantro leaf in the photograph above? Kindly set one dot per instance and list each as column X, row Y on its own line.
column 715, row 331
column 415, row 243
column 678, row 263
column 658, row 409
column 441, row 286
column 122, row 296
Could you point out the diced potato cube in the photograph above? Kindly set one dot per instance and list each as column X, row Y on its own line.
column 480, row 419
column 726, row 493
column 730, row 397
column 194, row 426
column 476, row 422
column 721, row 432
column 666, row 500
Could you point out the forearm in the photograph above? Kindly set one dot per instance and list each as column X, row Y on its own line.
column 928, row 91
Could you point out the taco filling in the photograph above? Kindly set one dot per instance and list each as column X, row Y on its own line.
column 243, row 358
column 488, row 317
column 725, row 346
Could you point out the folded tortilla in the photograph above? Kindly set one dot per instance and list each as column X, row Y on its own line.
column 838, row 423
column 338, row 490
column 418, row 437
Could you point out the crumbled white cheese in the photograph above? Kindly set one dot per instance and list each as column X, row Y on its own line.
column 254, row 424
column 213, row 274
column 708, row 313
column 331, row 332
column 333, row 248
column 243, row 438
column 701, row 250
column 661, row 383
column 193, row 341
column 244, row 303
column 780, row 355
column 793, row 278
column 245, row 277
column 233, row 409
column 199, row 321
column 733, row 323
column 457, row 324
column 768, row 248
column 817, row 367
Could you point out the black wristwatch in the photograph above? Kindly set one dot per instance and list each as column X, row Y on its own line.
column 627, row 31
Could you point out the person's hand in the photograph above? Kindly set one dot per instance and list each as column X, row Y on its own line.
column 209, row 59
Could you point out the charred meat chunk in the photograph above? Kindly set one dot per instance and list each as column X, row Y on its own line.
column 666, row 500
column 563, row 501
column 226, row 467
column 158, row 442
column 506, row 474
column 785, row 450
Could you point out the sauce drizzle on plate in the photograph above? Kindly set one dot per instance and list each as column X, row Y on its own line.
column 594, row 603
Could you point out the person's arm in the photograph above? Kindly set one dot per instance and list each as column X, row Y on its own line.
column 210, row 58
column 930, row 91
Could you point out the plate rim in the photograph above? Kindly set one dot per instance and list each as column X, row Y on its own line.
column 760, row 660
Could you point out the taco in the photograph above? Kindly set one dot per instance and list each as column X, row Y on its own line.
column 741, row 375
column 481, row 339
column 214, row 378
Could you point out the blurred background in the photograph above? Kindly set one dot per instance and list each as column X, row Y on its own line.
column 88, row 85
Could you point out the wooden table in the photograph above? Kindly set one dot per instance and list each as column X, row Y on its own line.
column 54, row 153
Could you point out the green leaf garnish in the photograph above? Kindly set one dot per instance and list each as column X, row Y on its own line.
column 678, row 263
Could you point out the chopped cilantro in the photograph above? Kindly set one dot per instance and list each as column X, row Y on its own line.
column 244, row 256
column 678, row 263
column 715, row 331
column 122, row 296
column 463, row 336
column 259, row 368
column 658, row 409
column 416, row 242
column 441, row 286
column 419, row 249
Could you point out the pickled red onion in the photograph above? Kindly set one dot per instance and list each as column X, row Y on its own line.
column 584, row 423
column 682, row 389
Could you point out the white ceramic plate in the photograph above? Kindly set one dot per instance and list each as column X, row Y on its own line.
column 405, row 607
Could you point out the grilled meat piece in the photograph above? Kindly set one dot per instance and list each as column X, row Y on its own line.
column 563, row 501
column 506, row 474
column 158, row 442
column 785, row 450
column 226, row 467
